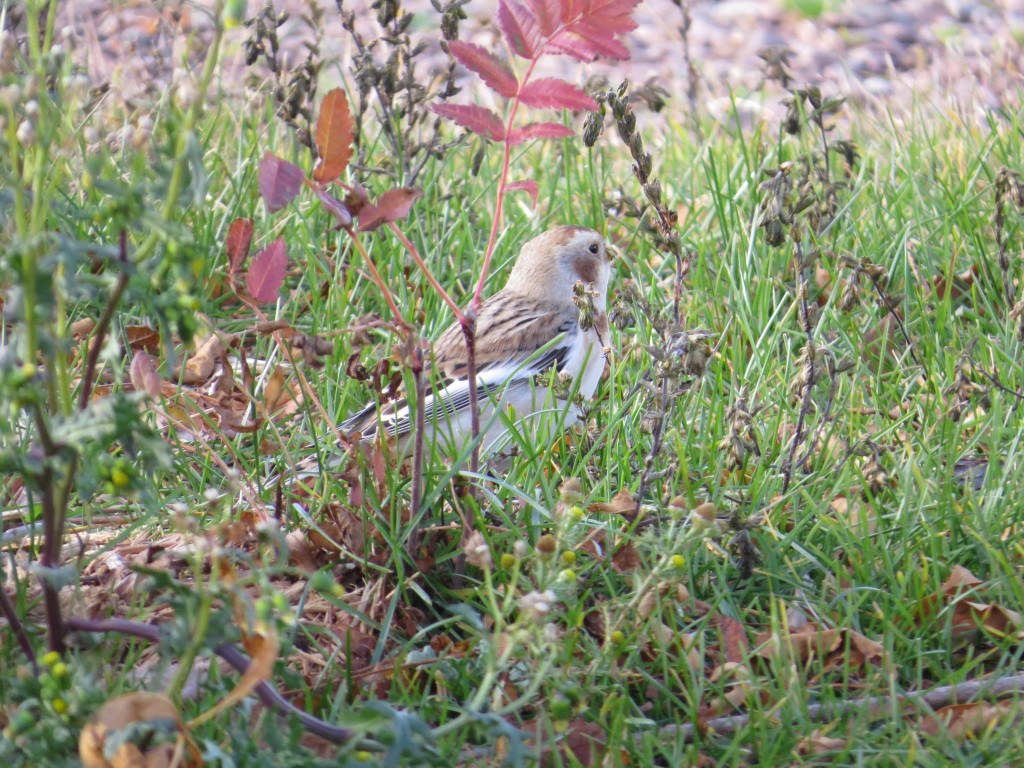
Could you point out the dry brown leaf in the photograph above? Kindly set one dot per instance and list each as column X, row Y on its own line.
column 342, row 531
column 835, row 648
column 969, row 720
column 142, row 338
column 970, row 614
column 199, row 367
column 122, row 711
column 80, row 329
column 960, row 578
column 738, row 693
column 622, row 504
column 143, row 374
column 625, row 557
column 818, row 743
column 584, row 740
column 735, row 646
column 881, row 343
column 855, row 514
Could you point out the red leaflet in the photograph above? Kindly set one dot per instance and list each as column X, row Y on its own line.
column 555, row 92
column 478, row 119
column 548, row 14
column 571, row 10
column 491, row 69
column 602, row 39
column 580, row 45
column 334, row 207
column 266, row 273
column 608, row 8
column 393, row 205
column 592, row 27
column 538, row 131
column 528, row 185
column 238, row 244
column 519, row 27
column 279, row 181
column 333, row 137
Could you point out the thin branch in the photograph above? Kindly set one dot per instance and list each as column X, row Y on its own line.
column 415, row 536
column 8, row 611
column 238, row 661
column 994, row 379
column 826, row 416
column 899, row 323
column 806, row 400
column 469, row 332
column 96, row 343
column 426, row 271
column 874, row 707
column 377, row 278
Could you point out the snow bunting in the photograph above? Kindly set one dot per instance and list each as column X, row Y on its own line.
column 551, row 314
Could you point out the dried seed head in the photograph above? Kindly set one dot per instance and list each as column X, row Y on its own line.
column 593, row 127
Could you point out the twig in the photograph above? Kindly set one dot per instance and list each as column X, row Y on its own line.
column 891, row 307
column 96, row 344
column 999, row 385
column 238, row 661
column 415, row 536
column 652, row 455
column 826, row 416
column 377, row 278
column 691, row 70
column 426, row 271
column 875, row 706
column 11, row 615
column 808, row 388
column 49, row 560
column 469, row 332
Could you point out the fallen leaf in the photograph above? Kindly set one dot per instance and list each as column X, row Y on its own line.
column 80, row 329
column 199, row 367
column 831, row 648
column 817, row 743
column 142, row 338
column 152, row 747
column 622, row 504
column 971, row 720
column 143, row 374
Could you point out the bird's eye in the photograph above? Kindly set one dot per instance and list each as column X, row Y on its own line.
column 594, row 248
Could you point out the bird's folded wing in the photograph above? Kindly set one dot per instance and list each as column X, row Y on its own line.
column 495, row 378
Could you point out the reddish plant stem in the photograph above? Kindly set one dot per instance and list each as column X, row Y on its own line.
column 503, row 183
column 426, row 271
column 377, row 278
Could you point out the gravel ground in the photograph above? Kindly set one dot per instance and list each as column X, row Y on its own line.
column 954, row 53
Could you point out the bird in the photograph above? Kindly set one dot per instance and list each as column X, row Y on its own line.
column 551, row 314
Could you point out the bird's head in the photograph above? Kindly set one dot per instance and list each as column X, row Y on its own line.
column 550, row 264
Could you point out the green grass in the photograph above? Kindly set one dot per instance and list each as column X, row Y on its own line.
column 635, row 649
